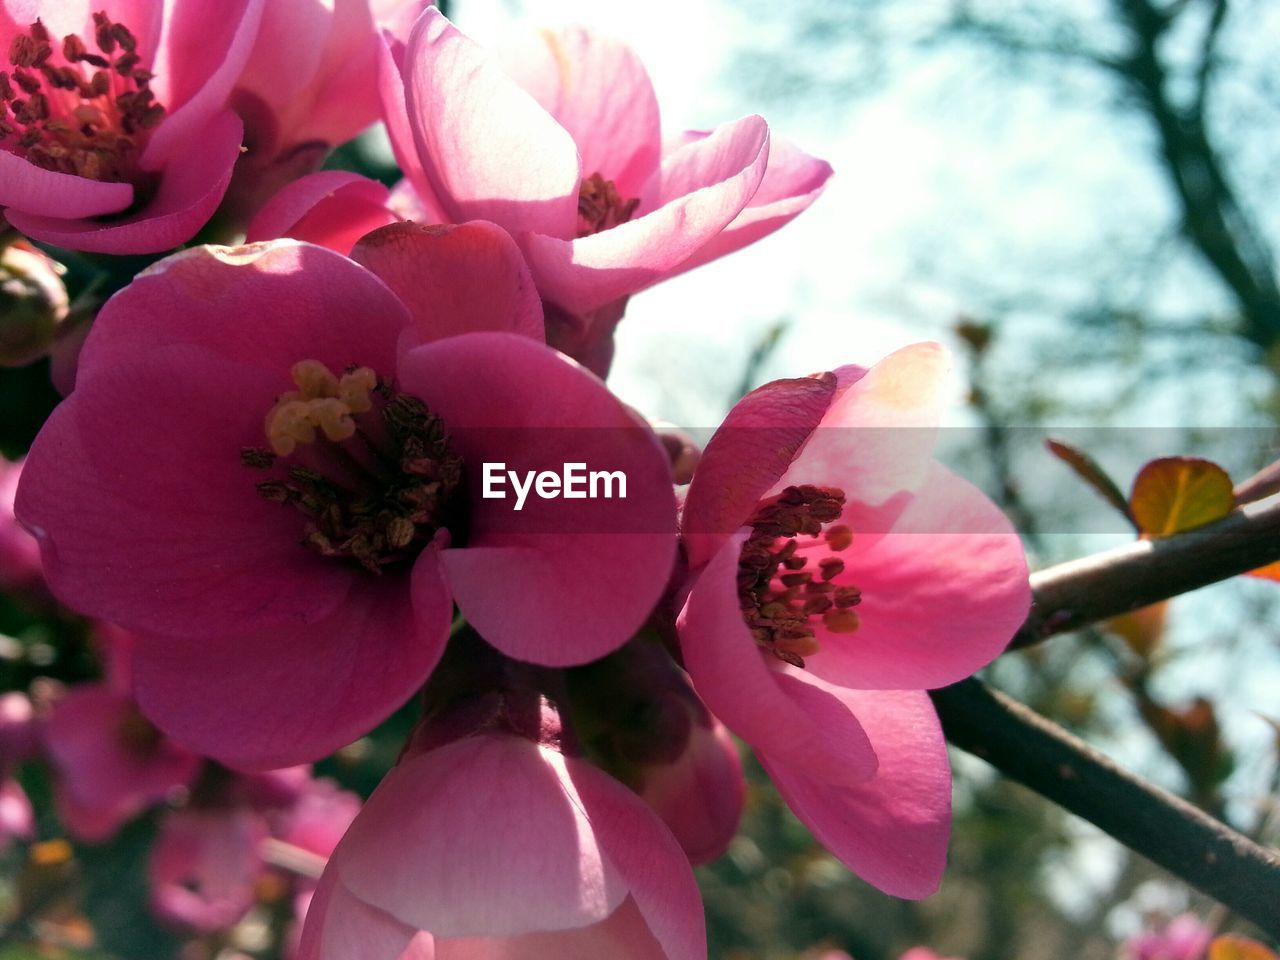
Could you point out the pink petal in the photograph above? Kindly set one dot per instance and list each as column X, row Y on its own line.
column 597, row 89
column 251, row 700
column 942, row 593
column 710, row 183
column 29, row 190
column 793, row 717
column 202, row 51
column 475, row 869
column 332, row 208
column 340, row 926
column 749, row 451
column 17, row 817
column 455, row 279
column 110, row 763
column 204, row 865
column 395, row 114
column 169, row 536
column 562, row 581
column 488, row 150
column 700, row 796
column 892, row 830
column 321, row 306
column 792, row 181
column 876, row 440
column 192, row 183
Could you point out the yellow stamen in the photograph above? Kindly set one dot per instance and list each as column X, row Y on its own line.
column 321, row 402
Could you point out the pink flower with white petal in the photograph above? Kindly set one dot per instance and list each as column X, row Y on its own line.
column 558, row 140
column 115, row 134
column 838, row 571
column 271, row 467
column 310, row 84
column 437, row 865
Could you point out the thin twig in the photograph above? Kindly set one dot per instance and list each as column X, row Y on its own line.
column 1074, row 594
column 1164, row 828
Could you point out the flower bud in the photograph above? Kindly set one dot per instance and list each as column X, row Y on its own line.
column 33, row 302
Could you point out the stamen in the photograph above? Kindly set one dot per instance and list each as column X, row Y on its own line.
column 87, row 116
column 376, row 501
column 600, row 207
column 779, row 597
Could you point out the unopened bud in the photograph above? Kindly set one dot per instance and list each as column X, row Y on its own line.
column 33, row 302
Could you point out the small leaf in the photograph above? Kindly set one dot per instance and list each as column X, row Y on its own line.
column 1270, row 572
column 1238, row 948
column 1179, row 493
column 1091, row 473
column 1141, row 629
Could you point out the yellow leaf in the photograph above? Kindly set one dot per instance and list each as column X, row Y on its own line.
column 1178, row 493
column 1270, row 572
column 1238, row 948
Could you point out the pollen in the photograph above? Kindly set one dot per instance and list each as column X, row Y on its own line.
column 72, row 109
column 371, row 470
column 323, row 401
column 787, row 586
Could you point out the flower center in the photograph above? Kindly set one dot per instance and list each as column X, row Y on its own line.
column 600, row 207
column 780, row 592
column 370, row 469
column 75, row 111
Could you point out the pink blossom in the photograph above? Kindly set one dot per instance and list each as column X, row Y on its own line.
column 118, row 137
column 204, row 865
column 310, row 84
column 923, row 953
column 17, row 818
column 110, row 763
column 699, row 795
column 437, row 865
column 19, row 552
column 838, row 572
column 558, row 140
column 171, row 490
column 1185, row 937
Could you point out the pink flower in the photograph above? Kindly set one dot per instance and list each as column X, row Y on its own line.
column 111, row 764
column 19, row 552
column 271, row 470
column 558, row 140
column 204, row 865
column 496, row 846
column 311, row 83
column 115, row 135
column 699, row 795
column 17, row 818
column 838, row 572
column 923, row 953
column 1185, row 937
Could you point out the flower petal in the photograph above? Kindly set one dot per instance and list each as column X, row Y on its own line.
column 191, row 186
column 892, row 830
column 488, row 150
column 942, row 593
column 28, row 190
column 332, row 208
column 793, row 717
column 746, row 455
column 562, row 581
column 711, row 182
column 597, row 89
column 294, row 694
column 475, row 870
column 455, row 279
column 792, row 181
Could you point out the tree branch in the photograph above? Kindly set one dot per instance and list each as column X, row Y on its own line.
column 1071, row 595
column 1165, row 829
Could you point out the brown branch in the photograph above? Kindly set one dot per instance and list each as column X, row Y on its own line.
column 1074, row 594
column 1163, row 828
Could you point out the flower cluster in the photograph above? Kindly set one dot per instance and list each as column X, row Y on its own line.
column 277, row 491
